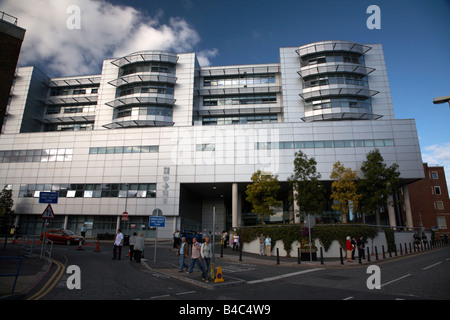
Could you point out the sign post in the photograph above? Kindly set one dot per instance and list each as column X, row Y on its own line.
column 310, row 221
column 157, row 222
column 47, row 214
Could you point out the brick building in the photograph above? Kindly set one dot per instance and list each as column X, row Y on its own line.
column 430, row 203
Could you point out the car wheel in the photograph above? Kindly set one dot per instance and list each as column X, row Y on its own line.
column 68, row 242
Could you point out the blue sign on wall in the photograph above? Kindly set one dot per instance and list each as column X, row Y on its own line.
column 48, row 197
column 157, row 222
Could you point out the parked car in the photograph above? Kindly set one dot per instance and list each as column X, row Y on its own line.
column 62, row 236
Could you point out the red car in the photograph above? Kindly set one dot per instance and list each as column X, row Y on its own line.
column 62, row 236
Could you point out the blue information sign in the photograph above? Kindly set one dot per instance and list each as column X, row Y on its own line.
column 48, row 197
column 157, row 222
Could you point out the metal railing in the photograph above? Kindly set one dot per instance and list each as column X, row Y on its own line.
column 44, row 250
column 15, row 275
column 6, row 17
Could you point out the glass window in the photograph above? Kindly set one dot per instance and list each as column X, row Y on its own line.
column 348, row 143
column 309, row 144
column 368, row 143
column 319, row 144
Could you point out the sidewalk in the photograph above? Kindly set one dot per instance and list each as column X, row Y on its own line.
column 32, row 270
column 253, row 267
column 235, row 272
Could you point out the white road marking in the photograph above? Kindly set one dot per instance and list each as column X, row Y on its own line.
column 284, row 276
column 431, row 266
column 392, row 281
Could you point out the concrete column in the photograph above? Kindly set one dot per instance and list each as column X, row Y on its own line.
column 239, row 221
column 66, row 221
column 409, row 220
column 118, row 222
column 235, row 206
column 391, row 212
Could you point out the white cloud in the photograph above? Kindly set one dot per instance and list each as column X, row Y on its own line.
column 106, row 31
column 205, row 56
column 438, row 154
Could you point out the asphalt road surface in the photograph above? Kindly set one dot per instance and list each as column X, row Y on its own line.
column 420, row 276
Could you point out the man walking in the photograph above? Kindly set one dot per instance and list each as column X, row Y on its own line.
column 183, row 252
column 262, row 245
column 117, row 249
column 195, row 257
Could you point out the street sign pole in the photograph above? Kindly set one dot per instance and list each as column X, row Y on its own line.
column 157, row 222
column 156, row 240
column 43, row 238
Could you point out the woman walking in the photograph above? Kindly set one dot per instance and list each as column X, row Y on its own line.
column 349, row 246
column 139, row 247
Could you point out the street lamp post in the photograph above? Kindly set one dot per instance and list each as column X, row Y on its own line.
column 441, row 100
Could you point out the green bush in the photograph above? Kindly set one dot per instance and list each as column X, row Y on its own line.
column 325, row 233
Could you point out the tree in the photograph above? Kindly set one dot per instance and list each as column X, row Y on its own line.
column 378, row 183
column 305, row 181
column 262, row 194
column 344, row 190
column 6, row 212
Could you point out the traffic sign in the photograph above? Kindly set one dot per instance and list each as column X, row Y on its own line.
column 310, row 221
column 125, row 216
column 48, row 213
column 48, row 197
column 157, row 222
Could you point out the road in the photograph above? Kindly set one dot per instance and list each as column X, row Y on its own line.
column 420, row 276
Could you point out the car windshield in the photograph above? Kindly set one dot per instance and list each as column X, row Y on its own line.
column 69, row 232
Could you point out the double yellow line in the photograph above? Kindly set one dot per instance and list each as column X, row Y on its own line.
column 50, row 284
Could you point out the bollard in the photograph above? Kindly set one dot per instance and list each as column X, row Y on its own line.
column 359, row 256
column 410, row 251
column 321, row 256
column 401, row 250
column 406, row 249
column 299, row 257
column 376, row 253
column 221, row 250
column 278, row 257
column 384, row 254
column 395, row 249
column 368, row 254
column 240, row 254
column 340, row 254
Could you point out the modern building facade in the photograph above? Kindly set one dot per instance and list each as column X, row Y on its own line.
column 11, row 37
column 156, row 131
column 430, row 203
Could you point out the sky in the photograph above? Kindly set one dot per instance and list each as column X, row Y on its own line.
column 415, row 35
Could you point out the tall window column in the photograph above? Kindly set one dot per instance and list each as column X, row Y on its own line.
column 235, row 223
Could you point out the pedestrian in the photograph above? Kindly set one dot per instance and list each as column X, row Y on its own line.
column 183, row 252
column 349, row 247
column 262, row 245
column 353, row 241
column 206, row 253
column 176, row 238
column 196, row 258
column 132, row 243
column 83, row 230
column 361, row 247
column 268, row 245
column 139, row 247
column 117, row 249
